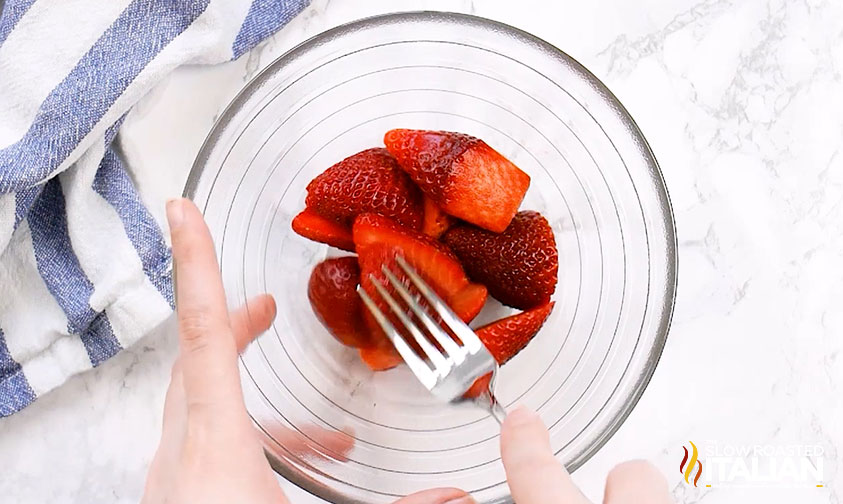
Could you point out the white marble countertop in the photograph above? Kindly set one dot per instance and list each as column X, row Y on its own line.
column 742, row 102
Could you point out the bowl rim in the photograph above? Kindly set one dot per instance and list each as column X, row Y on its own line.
column 297, row 476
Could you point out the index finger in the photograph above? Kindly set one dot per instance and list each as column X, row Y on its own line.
column 534, row 474
column 207, row 348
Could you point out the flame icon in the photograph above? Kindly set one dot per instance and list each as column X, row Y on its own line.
column 687, row 471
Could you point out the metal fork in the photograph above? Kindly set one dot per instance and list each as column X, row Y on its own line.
column 447, row 373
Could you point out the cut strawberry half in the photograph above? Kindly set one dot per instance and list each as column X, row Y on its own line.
column 332, row 291
column 462, row 174
column 380, row 240
column 381, row 357
column 317, row 228
column 518, row 266
column 369, row 181
column 506, row 337
column 436, row 221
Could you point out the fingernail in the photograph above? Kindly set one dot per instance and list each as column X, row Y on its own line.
column 521, row 415
column 466, row 499
column 175, row 212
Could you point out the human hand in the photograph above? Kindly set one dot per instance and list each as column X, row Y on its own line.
column 535, row 476
column 209, row 450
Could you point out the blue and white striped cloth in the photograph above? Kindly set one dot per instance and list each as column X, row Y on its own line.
column 84, row 266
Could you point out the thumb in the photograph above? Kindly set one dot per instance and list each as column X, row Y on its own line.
column 533, row 473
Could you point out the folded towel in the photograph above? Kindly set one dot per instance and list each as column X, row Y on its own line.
column 85, row 269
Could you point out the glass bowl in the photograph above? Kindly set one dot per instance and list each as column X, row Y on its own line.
column 347, row 434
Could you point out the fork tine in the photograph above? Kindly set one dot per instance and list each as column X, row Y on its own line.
column 415, row 363
column 454, row 323
column 444, row 339
column 440, row 363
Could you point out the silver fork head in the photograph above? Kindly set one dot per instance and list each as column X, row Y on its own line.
column 447, row 373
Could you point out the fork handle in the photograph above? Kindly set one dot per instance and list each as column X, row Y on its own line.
column 491, row 402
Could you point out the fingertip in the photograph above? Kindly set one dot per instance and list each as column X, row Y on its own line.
column 175, row 213
column 438, row 496
column 637, row 481
column 521, row 415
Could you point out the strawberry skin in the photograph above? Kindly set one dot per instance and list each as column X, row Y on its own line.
column 506, row 337
column 462, row 174
column 332, row 291
column 369, row 181
column 518, row 266
column 317, row 228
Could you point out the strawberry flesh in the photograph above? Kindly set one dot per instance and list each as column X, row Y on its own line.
column 380, row 240
column 332, row 291
column 317, row 228
column 462, row 174
column 518, row 266
column 436, row 221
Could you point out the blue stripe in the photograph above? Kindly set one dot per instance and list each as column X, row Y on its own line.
column 60, row 269
column 13, row 10
column 264, row 18
column 23, row 202
column 99, row 340
column 15, row 392
column 114, row 185
column 72, row 109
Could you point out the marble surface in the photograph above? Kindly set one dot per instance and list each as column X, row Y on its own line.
column 742, row 102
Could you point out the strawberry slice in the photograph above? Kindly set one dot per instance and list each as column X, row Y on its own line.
column 381, row 357
column 379, row 240
column 506, row 337
column 518, row 266
column 461, row 174
column 317, row 228
column 369, row 181
column 435, row 221
column 332, row 291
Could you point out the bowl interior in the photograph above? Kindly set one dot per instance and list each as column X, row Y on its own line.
column 351, row 435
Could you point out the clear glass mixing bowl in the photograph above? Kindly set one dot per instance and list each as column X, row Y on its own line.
column 329, row 424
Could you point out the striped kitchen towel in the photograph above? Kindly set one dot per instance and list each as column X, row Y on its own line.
column 84, row 266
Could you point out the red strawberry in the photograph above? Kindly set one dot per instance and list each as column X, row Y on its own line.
column 312, row 225
column 518, row 266
column 379, row 240
column 381, row 357
column 435, row 220
column 506, row 337
column 461, row 174
column 332, row 291
column 369, row 181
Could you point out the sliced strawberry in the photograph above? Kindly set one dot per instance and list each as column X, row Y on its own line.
column 317, row 228
column 461, row 174
column 381, row 358
column 369, row 181
column 436, row 221
column 379, row 240
column 506, row 337
column 518, row 266
column 332, row 291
